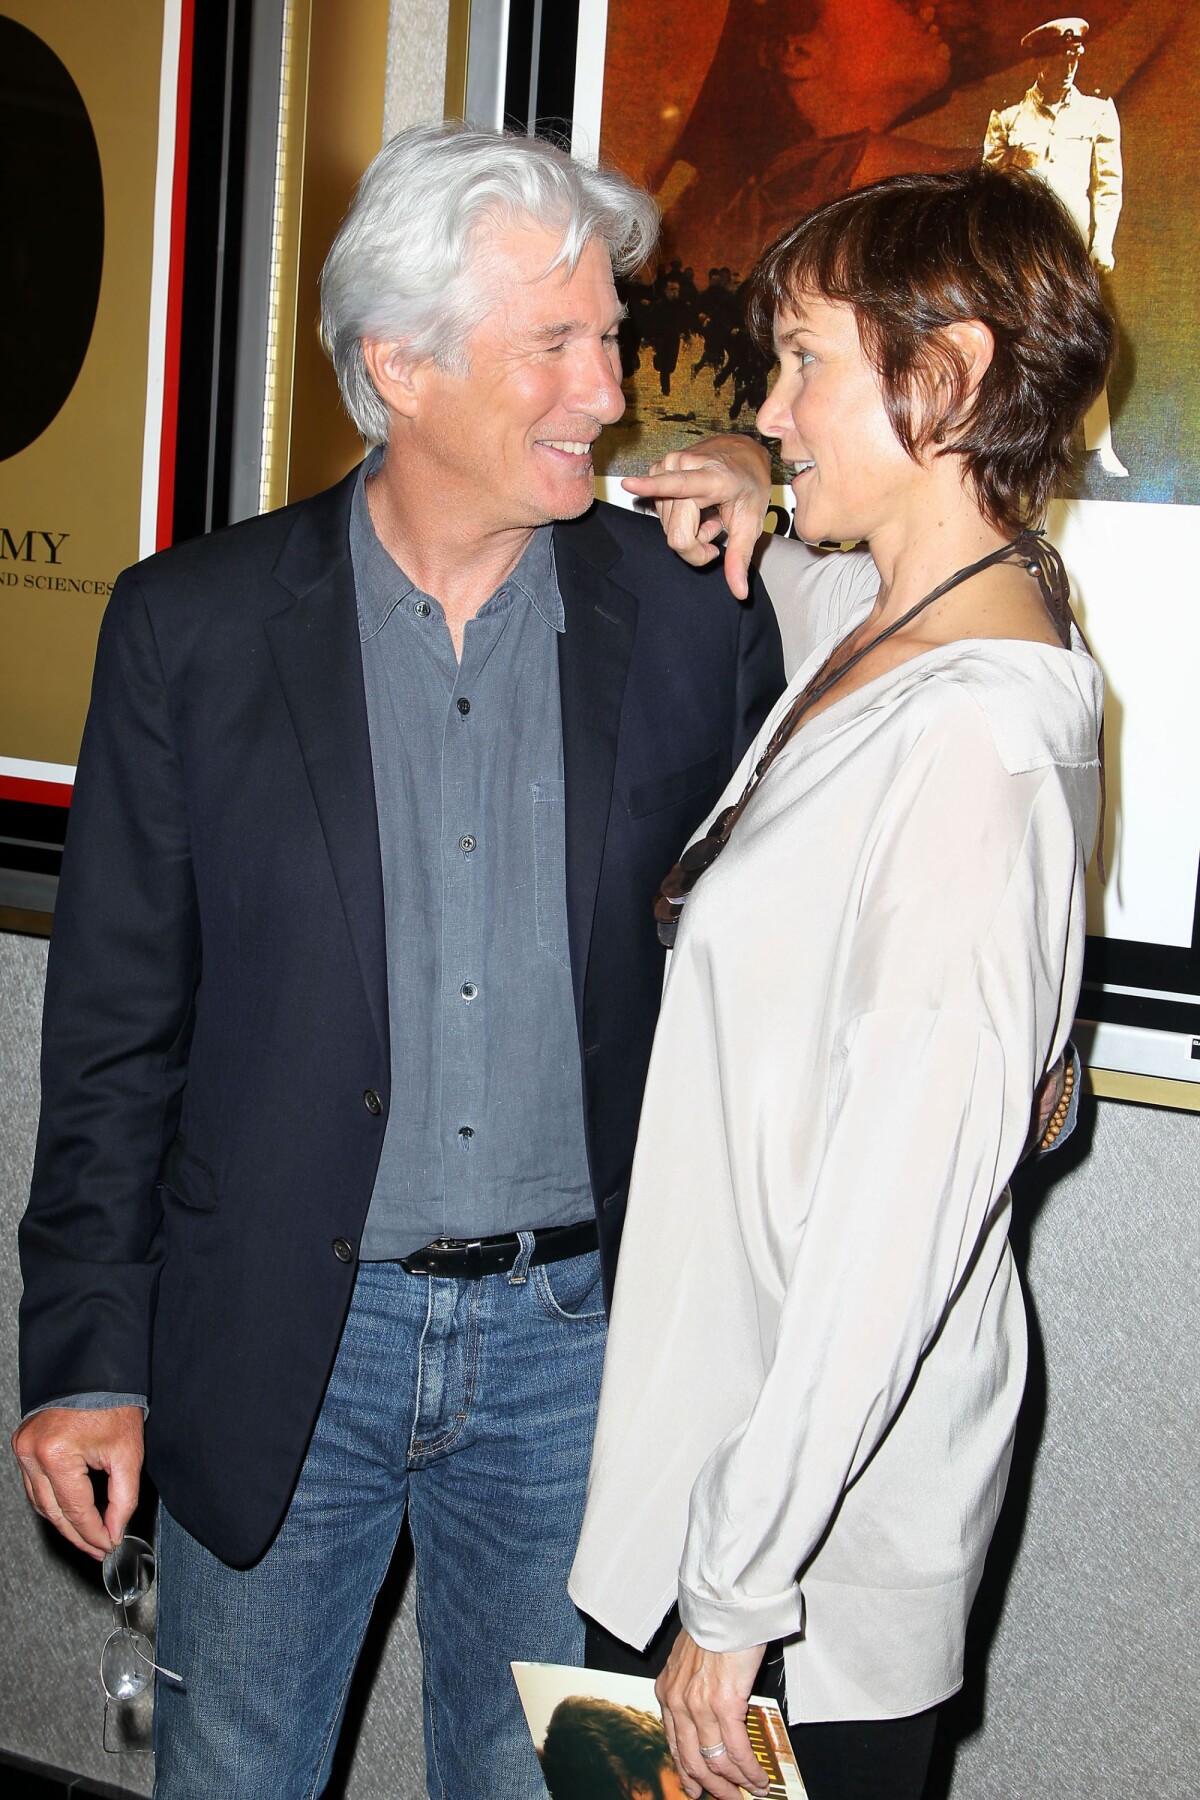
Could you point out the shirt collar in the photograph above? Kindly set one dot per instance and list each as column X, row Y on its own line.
column 1053, row 107
column 537, row 578
column 381, row 584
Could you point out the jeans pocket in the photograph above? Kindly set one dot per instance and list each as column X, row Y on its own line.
column 571, row 1289
column 550, row 869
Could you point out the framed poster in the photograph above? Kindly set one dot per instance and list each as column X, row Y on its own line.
column 95, row 113
column 168, row 242
column 740, row 114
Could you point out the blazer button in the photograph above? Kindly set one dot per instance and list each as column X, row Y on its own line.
column 373, row 1103
column 342, row 1250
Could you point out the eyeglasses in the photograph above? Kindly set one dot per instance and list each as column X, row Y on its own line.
column 127, row 1664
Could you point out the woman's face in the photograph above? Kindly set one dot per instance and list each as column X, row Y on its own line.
column 851, row 65
column 852, row 474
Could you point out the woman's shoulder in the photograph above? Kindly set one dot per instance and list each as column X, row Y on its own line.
column 1042, row 705
column 814, row 591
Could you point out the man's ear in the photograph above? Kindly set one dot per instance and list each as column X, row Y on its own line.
column 395, row 374
column 975, row 345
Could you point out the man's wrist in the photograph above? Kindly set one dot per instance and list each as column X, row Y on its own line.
column 99, row 1401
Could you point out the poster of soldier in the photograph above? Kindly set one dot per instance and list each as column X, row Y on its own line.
column 742, row 114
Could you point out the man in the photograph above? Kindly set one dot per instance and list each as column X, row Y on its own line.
column 352, row 988
column 598, row 1750
column 1073, row 141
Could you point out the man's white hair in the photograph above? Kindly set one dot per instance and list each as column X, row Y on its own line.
column 400, row 268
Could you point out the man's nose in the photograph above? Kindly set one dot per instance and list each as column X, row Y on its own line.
column 599, row 390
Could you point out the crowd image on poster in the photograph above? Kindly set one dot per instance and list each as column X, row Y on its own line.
column 741, row 115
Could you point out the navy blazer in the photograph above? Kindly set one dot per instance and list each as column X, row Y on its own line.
column 216, row 1065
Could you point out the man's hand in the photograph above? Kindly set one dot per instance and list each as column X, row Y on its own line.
column 56, row 1450
column 703, row 1695
column 722, row 484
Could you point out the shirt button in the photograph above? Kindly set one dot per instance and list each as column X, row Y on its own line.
column 373, row 1103
column 466, row 842
column 468, row 990
column 465, row 1131
column 343, row 1250
column 463, row 704
column 422, row 608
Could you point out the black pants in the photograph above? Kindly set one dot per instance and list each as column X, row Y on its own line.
column 846, row 1759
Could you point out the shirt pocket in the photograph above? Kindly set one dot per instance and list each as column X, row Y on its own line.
column 550, row 869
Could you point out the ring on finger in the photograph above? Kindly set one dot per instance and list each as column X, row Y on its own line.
column 710, row 1752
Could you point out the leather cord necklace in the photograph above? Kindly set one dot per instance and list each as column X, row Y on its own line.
column 1042, row 561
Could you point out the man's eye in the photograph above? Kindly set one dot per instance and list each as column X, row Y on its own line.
column 611, row 337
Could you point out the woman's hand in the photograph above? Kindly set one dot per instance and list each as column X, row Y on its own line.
column 703, row 1695
column 722, row 484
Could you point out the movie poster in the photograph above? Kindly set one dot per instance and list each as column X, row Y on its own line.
column 88, row 112
column 742, row 114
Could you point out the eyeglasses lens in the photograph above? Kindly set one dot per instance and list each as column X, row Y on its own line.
column 129, row 1570
column 126, row 1664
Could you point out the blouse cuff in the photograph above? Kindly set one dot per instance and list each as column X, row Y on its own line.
column 723, row 1625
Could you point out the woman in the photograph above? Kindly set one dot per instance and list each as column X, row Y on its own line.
column 818, row 1341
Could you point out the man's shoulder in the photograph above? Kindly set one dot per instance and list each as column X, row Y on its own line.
column 232, row 560
column 1008, row 115
column 1095, row 107
column 631, row 549
column 606, row 531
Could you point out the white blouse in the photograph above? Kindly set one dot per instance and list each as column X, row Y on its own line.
column 817, row 1349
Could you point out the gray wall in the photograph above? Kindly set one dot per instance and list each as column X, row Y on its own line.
column 1084, row 1677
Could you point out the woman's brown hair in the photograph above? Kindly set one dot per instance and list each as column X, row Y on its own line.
column 915, row 253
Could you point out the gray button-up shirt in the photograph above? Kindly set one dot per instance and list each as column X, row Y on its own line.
column 485, row 1131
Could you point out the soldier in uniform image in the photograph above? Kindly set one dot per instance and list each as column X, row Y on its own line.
column 1073, row 141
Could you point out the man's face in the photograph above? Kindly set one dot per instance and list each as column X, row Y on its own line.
column 512, row 438
column 1057, row 72
column 669, row 1787
column 867, row 60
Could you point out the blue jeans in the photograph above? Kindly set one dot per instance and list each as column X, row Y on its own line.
column 471, row 1403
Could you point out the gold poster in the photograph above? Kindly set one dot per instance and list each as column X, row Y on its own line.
column 79, row 146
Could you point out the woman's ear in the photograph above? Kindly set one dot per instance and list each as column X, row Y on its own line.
column 976, row 346
column 394, row 375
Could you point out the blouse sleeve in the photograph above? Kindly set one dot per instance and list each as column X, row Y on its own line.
column 813, row 592
column 956, row 1001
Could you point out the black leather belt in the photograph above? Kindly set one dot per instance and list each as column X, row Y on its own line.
column 475, row 1257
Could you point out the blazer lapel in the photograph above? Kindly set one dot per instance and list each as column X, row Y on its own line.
column 315, row 643
column 593, row 662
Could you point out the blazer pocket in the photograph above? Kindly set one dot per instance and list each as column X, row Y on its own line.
column 191, row 1181
column 646, row 797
